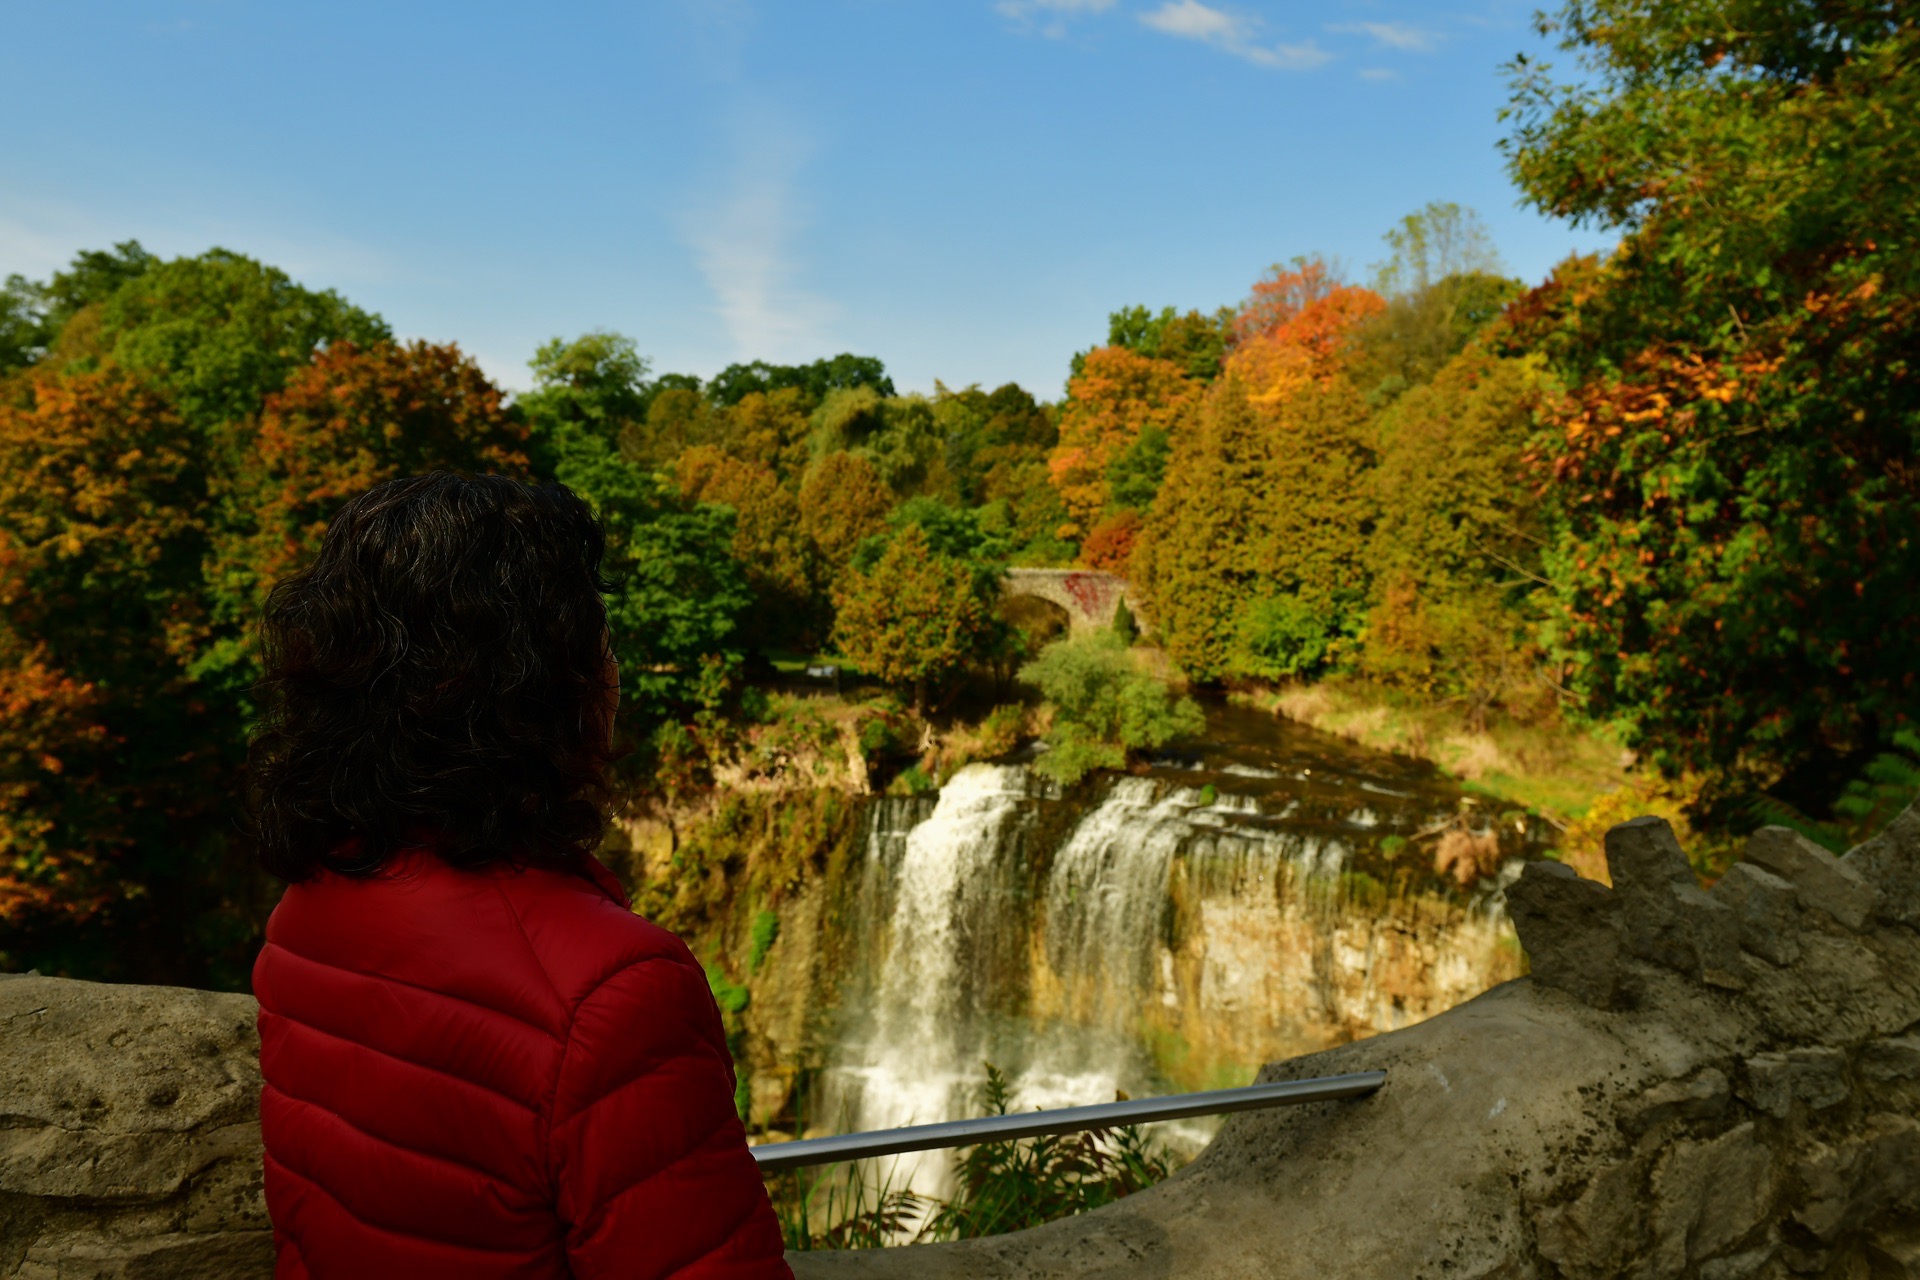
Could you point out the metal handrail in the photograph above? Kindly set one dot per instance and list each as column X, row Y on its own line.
column 776, row 1156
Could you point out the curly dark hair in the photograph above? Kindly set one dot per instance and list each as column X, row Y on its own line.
column 438, row 674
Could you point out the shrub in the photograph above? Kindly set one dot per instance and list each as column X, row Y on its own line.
column 1104, row 706
column 1281, row 637
column 1008, row 1186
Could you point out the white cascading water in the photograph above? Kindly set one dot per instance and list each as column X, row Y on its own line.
column 978, row 946
column 919, row 1060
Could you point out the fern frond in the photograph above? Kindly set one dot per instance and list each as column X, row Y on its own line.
column 1778, row 813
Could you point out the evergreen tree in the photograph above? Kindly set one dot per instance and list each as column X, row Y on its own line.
column 913, row 616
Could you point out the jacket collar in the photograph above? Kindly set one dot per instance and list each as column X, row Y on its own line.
column 608, row 883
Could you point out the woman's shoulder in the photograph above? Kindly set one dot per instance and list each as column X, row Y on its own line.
column 579, row 929
column 533, row 939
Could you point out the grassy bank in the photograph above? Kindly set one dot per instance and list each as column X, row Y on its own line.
column 1578, row 778
column 1553, row 769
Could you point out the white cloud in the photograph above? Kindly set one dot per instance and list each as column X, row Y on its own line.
column 1027, row 8
column 1192, row 20
column 1049, row 17
column 1378, row 73
column 742, row 236
column 1393, row 35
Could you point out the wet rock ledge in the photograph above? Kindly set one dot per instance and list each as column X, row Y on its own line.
column 1716, row 1084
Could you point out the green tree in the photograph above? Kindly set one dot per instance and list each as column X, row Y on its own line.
column 1439, row 240
column 913, row 616
column 219, row 332
column 1105, row 706
column 1196, row 343
column 1734, row 493
column 33, row 315
column 842, row 372
column 1262, row 501
column 985, row 435
column 679, row 594
column 1454, row 508
column 1454, row 555
column 898, row 435
column 596, row 383
column 1134, row 476
column 1407, row 345
column 1193, row 562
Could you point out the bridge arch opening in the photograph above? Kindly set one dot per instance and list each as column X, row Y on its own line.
column 1039, row 619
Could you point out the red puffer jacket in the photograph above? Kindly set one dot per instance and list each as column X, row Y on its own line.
column 497, row 1073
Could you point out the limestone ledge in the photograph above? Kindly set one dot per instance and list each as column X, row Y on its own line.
column 1716, row 1083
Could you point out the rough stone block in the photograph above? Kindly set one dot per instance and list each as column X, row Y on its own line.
column 1890, row 862
column 1763, row 905
column 1703, row 1096
column 232, row 1255
column 1708, row 1196
column 1775, row 1081
column 1841, row 1187
column 1570, row 928
column 1823, row 881
column 1739, row 1266
column 1894, row 1058
column 1594, row 1234
column 1665, row 915
column 1645, row 857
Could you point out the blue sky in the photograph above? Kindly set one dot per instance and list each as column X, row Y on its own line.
column 964, row 188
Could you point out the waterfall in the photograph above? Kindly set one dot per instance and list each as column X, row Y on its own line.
column 918, row 1056
column 1162, row 937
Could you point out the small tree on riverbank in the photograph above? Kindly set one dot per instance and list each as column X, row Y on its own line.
column 1105, row 707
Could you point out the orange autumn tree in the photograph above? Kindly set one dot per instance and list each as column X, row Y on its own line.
column 352, row 418
column 1297, row 328
column 1116, row 397
column 111, row 762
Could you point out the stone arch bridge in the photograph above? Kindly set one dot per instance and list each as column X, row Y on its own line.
column 1089, row 598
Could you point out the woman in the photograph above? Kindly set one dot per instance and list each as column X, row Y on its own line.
column 478, row 1061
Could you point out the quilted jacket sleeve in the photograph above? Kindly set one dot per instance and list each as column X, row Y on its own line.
column 649, row 1162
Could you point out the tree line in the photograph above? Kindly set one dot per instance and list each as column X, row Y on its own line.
column 1672, row 489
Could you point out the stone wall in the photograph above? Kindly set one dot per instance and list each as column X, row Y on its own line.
column 129, row 1133
column 1716, row 1084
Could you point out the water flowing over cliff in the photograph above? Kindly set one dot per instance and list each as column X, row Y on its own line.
column 1143, row 933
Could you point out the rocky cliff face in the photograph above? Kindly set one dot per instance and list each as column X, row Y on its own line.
column 1715, row 1084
